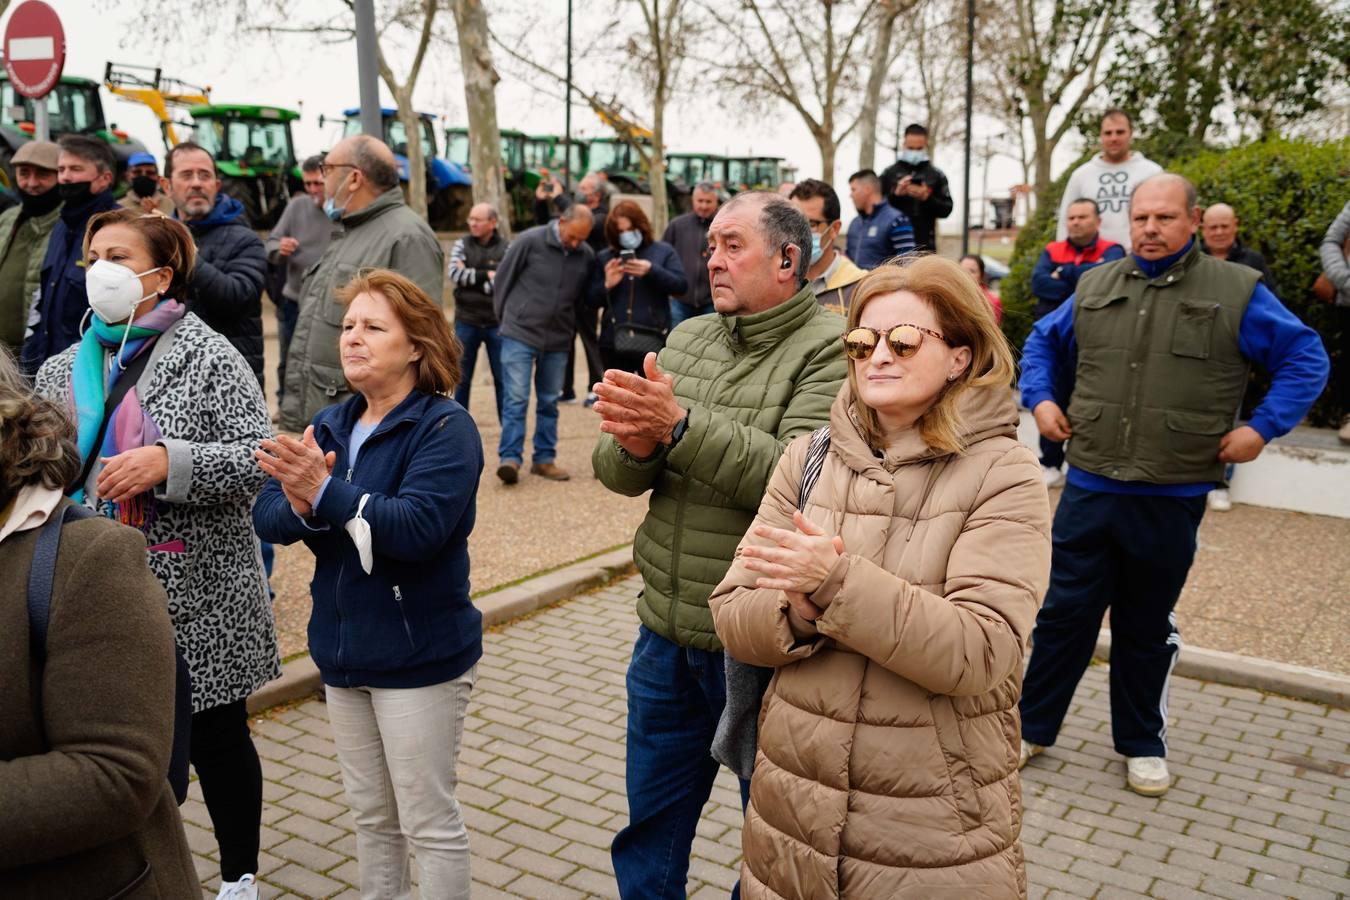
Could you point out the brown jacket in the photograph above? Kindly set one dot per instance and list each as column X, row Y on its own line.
column 888, row 742
column 89, row 813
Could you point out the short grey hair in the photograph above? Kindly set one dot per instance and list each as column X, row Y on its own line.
column 373, row 164
column 312, row 163
column 1192, row 195
column 780, row 223
column 575, row 212
column 706, row 187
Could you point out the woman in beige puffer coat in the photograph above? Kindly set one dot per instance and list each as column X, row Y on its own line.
column 896, row 609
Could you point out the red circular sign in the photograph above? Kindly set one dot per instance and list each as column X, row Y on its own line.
column 35, row 49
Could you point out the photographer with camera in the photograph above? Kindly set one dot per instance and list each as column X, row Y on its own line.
column 633, row 278
column 918, row 188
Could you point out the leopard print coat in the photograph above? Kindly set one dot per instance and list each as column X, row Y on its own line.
column 208, row 406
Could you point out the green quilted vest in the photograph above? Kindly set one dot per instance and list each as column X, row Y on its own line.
column 1159, row 378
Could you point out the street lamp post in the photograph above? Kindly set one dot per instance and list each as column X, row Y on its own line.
column 567, row 113
column 970, row 109
column 367, row 68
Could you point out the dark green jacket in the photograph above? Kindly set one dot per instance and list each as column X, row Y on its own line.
column 16, row 319
column 751, row 384
column 1160, row 375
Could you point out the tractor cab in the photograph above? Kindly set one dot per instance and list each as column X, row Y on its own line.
column 440, row 174
column 73, row 107
column 254, row 153
column 626, row 168
column 754, row 173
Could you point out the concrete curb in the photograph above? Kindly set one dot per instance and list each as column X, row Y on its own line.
column 1298, row 682
column 300, row 677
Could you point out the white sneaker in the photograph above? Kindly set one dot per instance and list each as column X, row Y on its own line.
column 1219, row 501
column 1052, row 477
column 245, row 888
column 1147, row 775
column 1028, row 751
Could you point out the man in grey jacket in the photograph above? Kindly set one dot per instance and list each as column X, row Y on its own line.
column 539, row 287
column 1336, row 267
column 297, row 242
column 377, row 230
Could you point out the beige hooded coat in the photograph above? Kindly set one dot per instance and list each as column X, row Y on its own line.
column 888, row 742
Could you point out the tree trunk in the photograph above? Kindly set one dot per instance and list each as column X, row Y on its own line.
column 417, row 163
column 480, row 99
column 825, row 142
column 881, row 64
column 1044, row 148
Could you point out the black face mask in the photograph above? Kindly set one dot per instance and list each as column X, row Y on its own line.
column 144, row 185
column 75, row 193
column 39, row 204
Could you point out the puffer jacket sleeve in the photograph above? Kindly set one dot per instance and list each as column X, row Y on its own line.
column 622, row 472
column 968, row 640
column 736, row 459
column 752, row 622
column 206, row 473
column 228, row 288
column 108, row 697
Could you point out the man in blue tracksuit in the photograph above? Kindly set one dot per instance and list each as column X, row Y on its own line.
column 1164, row 340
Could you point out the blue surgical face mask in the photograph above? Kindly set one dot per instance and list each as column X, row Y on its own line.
column 331, row 208
column 816, row 250
column 630, row 240
column 914, row 157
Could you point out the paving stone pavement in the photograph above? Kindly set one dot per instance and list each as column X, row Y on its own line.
column 1261, row 805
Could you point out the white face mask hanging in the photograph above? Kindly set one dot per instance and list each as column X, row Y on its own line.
column 359, row 531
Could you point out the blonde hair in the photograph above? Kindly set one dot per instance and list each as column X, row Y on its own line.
column 965, row 318
column 438, row 366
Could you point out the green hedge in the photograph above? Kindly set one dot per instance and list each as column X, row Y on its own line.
column 1286, row 194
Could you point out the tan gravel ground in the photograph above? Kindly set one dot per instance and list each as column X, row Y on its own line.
column 1265, row 583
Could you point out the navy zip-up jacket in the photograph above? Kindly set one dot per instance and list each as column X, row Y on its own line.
column 1062, row 263
column 409, row 623
column 63, row 303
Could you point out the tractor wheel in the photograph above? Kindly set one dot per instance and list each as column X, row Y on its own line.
column 6, row 167
column 626, row 185
column 449, row 208
column 245, row 190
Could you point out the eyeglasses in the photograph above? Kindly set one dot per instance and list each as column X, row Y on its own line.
column 904, row 340
column 326, row 168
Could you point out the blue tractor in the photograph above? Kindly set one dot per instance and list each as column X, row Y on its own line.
column 449, row 194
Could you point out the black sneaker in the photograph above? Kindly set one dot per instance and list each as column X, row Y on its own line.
column 509, row 472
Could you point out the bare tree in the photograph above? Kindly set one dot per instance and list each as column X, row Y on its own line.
column 480, row 99
column 1055, row 53
column 880, row 67
column 402, row 91
column 654, row 50
column 802, row 54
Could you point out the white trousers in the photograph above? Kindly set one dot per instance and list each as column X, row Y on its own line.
column 397, row 748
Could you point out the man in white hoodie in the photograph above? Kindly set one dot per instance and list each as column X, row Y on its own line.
column 1108, row 178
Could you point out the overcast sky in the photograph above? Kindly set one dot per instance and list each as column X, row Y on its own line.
column 299, row 72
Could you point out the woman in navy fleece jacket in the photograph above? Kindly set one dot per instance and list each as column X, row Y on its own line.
column 382, row 489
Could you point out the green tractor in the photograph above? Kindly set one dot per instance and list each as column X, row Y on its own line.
column 757, row 173
column 73, row 107
column 254, row 153
column 524, row 160
column 685, row 170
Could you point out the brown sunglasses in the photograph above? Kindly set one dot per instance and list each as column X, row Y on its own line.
column 904, row 340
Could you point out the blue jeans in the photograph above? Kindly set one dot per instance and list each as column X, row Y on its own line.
column 472, row 337
column 680, row 311
column 517, row 362
column 675, row 697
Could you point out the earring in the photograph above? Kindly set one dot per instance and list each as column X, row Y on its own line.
column 951, row 377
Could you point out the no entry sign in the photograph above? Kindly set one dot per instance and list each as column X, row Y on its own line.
column 35, row 48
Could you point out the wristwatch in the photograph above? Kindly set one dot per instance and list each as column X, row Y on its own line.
column 678, row 431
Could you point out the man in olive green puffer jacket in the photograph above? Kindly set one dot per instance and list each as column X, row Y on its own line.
column 703, row 432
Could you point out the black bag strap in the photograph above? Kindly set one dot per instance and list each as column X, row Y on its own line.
column 124, row 383
column 42, row 576
column 816, row 452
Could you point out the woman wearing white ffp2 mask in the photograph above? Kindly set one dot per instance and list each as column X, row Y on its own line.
column 173, row 457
